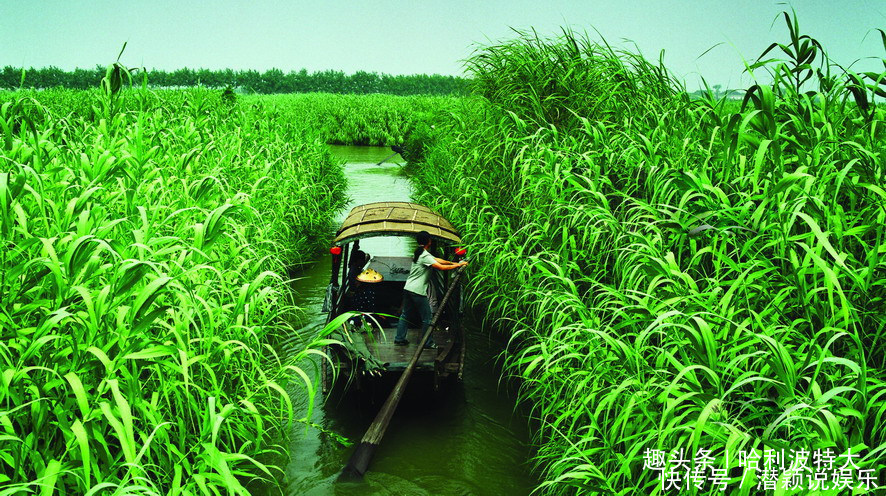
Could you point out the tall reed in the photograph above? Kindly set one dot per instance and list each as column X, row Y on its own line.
column 142, row 289
column 675, row 274
column 380, row 120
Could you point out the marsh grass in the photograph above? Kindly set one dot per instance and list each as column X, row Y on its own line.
column 144, row 239
column 675, row 274
column 378, row 120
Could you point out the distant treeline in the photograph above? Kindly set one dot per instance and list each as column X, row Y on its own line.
column 270, row 81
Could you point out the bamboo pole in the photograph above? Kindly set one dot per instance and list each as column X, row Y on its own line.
column 386, row 158
column 359, row 461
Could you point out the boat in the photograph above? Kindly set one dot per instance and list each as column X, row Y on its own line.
column 365, row 346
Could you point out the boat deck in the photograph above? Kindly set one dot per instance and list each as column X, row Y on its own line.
column 395, row 357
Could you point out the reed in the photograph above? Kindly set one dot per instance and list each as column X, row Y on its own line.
column 675, row 274
column 355, row 119
column 143, row 300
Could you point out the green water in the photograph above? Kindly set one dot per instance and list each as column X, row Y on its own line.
column 466, row 439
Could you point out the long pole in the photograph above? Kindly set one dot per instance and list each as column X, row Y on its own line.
column 386, row 158
column 359, row 461
column 396, row 149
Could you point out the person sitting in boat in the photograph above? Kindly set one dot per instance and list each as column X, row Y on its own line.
column 364, row 298
column 356, row 265
column 415, row 293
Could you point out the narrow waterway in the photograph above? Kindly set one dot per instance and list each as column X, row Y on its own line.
column 466, row 439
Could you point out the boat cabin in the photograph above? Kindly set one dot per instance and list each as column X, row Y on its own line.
column 368, row 339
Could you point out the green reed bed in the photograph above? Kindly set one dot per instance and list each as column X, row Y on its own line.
column 354, row 119
column 142, row 289
column 676, row 275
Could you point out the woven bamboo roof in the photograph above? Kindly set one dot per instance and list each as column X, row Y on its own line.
column 394, row 218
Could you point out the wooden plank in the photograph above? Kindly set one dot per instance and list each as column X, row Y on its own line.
column 384, row 349
column 445, row 348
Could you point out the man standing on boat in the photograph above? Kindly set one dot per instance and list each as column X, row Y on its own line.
column 415, row 293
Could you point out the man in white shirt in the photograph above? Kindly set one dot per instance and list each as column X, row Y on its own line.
column 416, row 290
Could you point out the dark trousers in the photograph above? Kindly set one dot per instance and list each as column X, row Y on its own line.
column 420, row 302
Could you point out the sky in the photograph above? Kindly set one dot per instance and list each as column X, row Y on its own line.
column 412, row 37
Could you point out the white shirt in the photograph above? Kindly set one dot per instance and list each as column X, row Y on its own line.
column 417, row 282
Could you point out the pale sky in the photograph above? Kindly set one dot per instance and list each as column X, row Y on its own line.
column 409, row 37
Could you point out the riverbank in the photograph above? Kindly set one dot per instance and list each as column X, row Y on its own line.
column 150, row 316
column 143, row 286
column 675, row 275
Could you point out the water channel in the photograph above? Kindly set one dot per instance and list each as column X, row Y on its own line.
column 466, row 439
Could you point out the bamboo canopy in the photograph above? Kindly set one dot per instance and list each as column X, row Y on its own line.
column 387, row 218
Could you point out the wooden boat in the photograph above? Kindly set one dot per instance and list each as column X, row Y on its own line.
column 369, row 350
